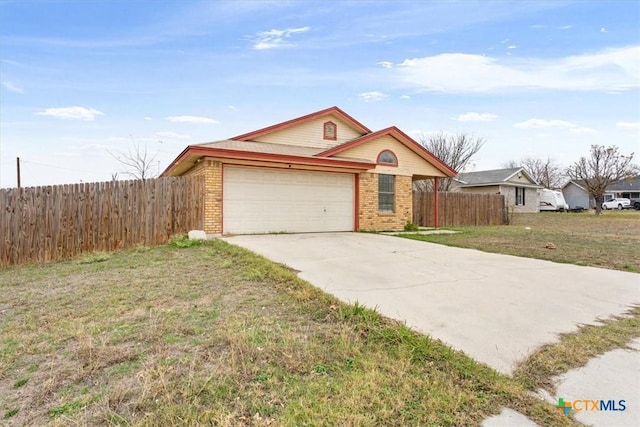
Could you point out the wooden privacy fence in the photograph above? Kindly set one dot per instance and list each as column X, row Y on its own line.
column 40, row 224
column 459, row 209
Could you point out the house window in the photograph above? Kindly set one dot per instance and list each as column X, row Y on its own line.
column 519, row 196
column 386, row 193
column 386, row 157
column 330, row 131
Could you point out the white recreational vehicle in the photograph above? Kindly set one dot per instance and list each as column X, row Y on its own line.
column 552, row 200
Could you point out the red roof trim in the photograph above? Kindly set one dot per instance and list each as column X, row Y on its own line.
column 280, row 126
column 402, row 138
column 278, row 158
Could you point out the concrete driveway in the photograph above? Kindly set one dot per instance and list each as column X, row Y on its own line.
column 496, row 308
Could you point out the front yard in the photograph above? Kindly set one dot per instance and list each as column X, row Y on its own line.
column 214, row 335
column 610, row 240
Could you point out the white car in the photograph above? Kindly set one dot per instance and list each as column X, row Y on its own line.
column 617, row 204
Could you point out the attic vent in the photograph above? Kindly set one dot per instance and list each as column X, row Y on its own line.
column 330, row 131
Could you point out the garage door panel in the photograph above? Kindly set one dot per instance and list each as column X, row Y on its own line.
column 271, row 200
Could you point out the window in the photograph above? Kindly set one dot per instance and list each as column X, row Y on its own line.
column 387, row 157
column 519, row 196
column 386, row 193
column 330, row 131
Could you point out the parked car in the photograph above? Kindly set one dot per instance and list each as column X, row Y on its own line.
column 620, row 203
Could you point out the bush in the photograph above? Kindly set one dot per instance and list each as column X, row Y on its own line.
column 409, row 226
column 182, row 241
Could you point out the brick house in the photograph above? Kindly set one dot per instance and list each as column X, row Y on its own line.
column 321, row 172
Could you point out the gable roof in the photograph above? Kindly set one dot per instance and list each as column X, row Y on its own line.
column 401, row 137
column 631, row 184
column 493, row 177
column 577, row 182
column 284, row 125
column 245, row 148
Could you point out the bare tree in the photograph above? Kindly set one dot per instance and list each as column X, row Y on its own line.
column 137, row 161
column 545, row 171
column 457, row 151
column 511, row 164
column 604, row 166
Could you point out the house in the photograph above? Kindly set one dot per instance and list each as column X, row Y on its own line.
column 515, row 184
column 576, row 194
column 325, row 171
column 628, row 188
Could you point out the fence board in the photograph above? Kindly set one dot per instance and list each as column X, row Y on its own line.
column 457, row 209
column 40, row 224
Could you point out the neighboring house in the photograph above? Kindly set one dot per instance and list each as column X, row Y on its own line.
column 629, row 188
column 576, row 194
column 515, row 184
column 321, row 172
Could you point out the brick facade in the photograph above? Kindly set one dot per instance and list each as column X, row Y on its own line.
column 370, row 218
column 212, row 171
column 531, row 199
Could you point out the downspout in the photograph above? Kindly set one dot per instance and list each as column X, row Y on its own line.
column 436, row 208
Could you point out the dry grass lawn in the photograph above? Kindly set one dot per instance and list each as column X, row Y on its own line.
column 214, row 335
column 611, row 240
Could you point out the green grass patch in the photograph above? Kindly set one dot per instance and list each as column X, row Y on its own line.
column 610, row 240
column 10, row 412
column 94, row 257
column 575, row 349
column 213, row 334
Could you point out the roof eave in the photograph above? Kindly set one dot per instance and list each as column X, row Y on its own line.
column 400, row 136
column 269, row 157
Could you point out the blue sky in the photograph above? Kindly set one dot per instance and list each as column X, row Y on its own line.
column 530, row 77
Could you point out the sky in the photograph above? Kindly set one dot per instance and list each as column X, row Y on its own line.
column 82, row 79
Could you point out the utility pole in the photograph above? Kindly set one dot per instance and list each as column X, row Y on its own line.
column 18, row 169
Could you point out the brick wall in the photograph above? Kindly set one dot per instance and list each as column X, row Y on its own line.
column 531, row 199
column 370, row 218
column 212, row 171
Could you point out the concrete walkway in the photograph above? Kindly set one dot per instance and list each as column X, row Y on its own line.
column 496, row 308
column 613, row 376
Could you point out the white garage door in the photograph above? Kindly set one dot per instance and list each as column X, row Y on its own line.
column 259, row 200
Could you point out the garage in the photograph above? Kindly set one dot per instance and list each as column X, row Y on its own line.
column 263, row 200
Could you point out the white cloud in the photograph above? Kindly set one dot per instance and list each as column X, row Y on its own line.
column 405, row 97
column 71, row 113
column 191, row 119
column 170, row 135
column 372, row 96
column 612, row 69
column 512, row 46
column 277, row 38
column 603, row 30
column 385, row 64
column 628, row 125
column 12, row 88
column 565, row 27
column 559, row 124
column 475, row 117
column 148, row 118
